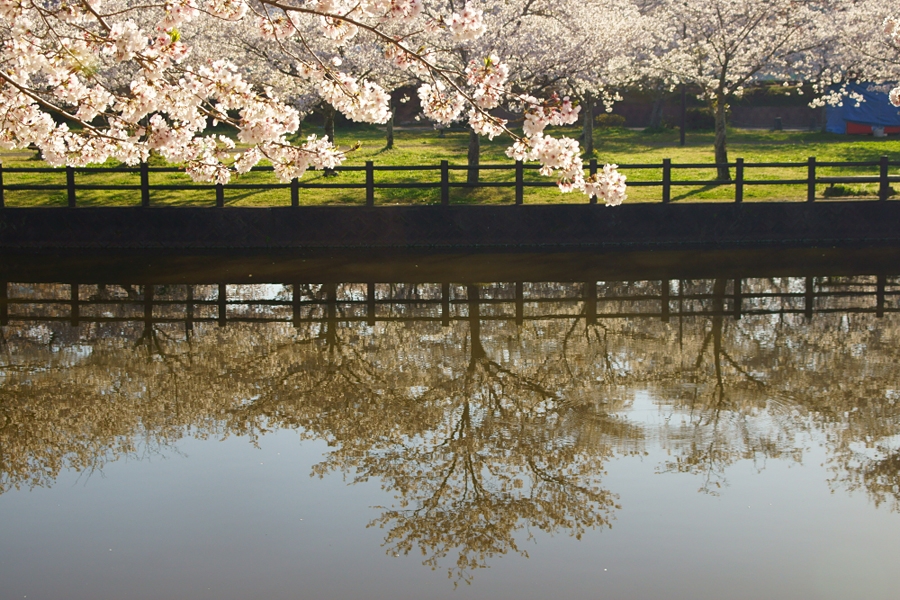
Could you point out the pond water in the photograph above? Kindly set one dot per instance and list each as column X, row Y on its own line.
column 630, row 437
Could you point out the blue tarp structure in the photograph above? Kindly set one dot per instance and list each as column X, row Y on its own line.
column 877, row 110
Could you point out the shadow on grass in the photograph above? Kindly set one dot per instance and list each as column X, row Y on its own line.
column 381, row 151
column 702, row 189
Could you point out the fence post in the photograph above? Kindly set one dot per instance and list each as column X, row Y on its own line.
column 590, row 302
column 445, row 304
column 664, row 300
column 189, row 324
column 145, row 184
column 739, row 180
column 295, row 192
column 370, row 304
column 445, row 183
column 4, row 305
column 879, row 296
column 738, row 298
column 592, row 167
column 520, row 303
column 70, row 185
column 370, row 183
column 667, row 180
column 811, row 179
column 222, row 302
column 295, row 304
column 73, row 299
column 520, row 183
column 884, row 189
column 809, row 298
column 2, row 200
column 331, row 313
column 220, row 195
column 148, row 309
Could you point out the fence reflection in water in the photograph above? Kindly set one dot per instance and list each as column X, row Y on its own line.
column 445, row 302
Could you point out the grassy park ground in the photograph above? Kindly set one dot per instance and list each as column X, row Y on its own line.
column 426, row 147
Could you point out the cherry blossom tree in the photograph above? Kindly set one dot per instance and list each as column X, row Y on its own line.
column 86, row 81
column 721, row 46
column 576, row 49
column 606, row 39
column 506, row 21
column 882, row 52
column 272, row 60
column 851, row 53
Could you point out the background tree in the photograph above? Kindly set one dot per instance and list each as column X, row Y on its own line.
column 721, row 46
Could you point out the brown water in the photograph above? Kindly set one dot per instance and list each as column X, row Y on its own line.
column 714, row 437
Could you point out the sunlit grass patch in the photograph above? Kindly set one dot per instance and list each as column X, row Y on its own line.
column 422, row 146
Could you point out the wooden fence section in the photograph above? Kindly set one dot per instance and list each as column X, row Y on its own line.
column 371, row 303
column 143, row 189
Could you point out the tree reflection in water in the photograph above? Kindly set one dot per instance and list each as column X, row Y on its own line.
column 484, row 423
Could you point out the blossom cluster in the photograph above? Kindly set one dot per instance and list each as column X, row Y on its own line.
column 892, row 29
column 468, row 24
column 441, row 104
column 400, row 56
column 359, row 100
column 608, row 184
column 487, row 78
column 561, row 156
column 555, row 111
column 484, row 124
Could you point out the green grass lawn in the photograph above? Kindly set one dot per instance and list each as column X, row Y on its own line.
column 423, row 147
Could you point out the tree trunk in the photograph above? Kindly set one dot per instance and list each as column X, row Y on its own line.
column 719, row 108
column 588, row 128
column 329, row 122
column 474, row 152
column 656, row 111
column 329, row 133
column 477, row 352
column 390, row 131
column 718, row 310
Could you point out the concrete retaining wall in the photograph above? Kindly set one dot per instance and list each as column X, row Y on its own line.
column 637, row 226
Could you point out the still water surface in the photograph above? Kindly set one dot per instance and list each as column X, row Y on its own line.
column 639, row 438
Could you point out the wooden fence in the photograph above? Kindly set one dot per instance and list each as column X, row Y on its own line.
column 444, row 183
column 371, row 303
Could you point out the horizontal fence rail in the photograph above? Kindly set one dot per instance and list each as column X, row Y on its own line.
column 371, row 303
column 143, row 188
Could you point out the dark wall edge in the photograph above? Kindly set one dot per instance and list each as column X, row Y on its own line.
column 429, row 266
column 573, row 227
